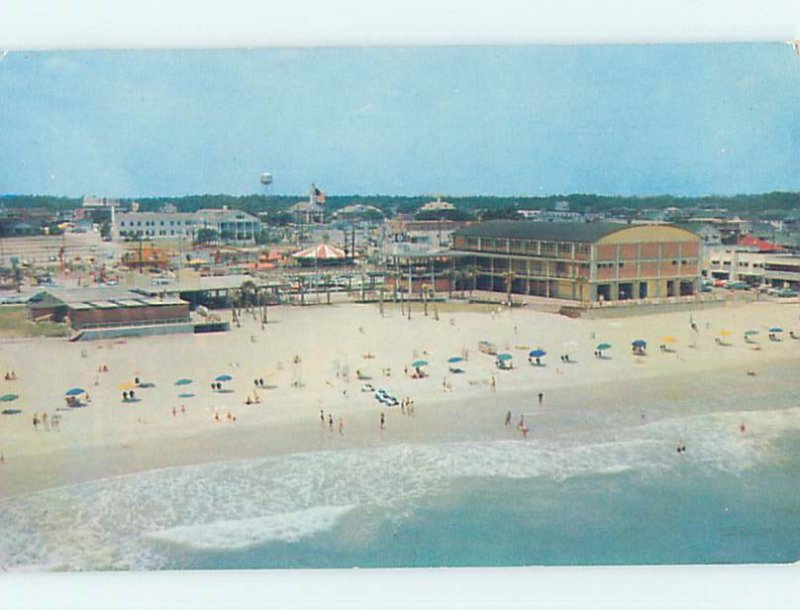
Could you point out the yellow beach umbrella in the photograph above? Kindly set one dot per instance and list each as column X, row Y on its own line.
column 725, row 333
column 668, row 339
column 128, row 385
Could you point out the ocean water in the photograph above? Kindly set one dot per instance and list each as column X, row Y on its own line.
column 617, row 494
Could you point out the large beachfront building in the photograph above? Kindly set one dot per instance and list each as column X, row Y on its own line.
column 229, row 225
column 599, row 261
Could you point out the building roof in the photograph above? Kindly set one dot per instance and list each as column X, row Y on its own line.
column 762, row 245
column 587, row 232
column 307, row 206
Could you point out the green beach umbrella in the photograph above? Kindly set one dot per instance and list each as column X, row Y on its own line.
column 418, row 363
column 455, row 359
column 183, row 382
column 749, row 333
column 224, row 378
column 604, row 346
column 185, row 395
column 776, row 329
column 504, row 356
column 8, row 398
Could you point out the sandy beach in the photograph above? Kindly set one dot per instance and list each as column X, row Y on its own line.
column 308, row 359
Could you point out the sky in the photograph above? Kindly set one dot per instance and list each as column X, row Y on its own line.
column 505, row 120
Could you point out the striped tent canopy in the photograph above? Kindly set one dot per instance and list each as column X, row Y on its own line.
column 320, row 252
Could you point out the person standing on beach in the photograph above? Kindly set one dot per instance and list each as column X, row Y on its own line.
column 541, row 398
column 330, row 421
column 341, row 426
column 494, row 384
column 383, row 421
column 322, row 417
column 508, row 417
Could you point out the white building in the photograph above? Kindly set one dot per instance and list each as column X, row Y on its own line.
column 755, row 268
column 230, row 225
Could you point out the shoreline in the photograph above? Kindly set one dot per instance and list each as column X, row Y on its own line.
column 111, row 441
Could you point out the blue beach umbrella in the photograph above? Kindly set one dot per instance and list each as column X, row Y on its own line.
column 639, row 343
column 604, row 346
column 455, row 359
column 75, row 392
column 418, row 363
column 776, row 329
column 224, row 378
column 183, row 382
column 185, row 395
column 537, row 353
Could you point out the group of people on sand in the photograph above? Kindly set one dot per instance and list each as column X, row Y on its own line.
column 47, row 423
column 329, row 421
column 407, row 406
column 11, row 376
column 175, row 411
column 128, row 396
column 417, row 373
column 228, row 416
column 255, row 399
column 103, row 368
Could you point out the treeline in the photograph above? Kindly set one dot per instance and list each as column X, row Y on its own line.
column 760, row 204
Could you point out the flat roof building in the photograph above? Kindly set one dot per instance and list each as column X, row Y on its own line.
column 601, row 261
column 104, row 308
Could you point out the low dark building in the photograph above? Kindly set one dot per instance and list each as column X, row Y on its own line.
column 107, row 308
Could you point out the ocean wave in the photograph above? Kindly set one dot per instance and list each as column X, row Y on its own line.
column 245, row 533
column 126, row 522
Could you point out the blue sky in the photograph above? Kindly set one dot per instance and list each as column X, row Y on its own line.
column 630, row 120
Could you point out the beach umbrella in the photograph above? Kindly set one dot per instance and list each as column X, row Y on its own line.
column 75, row 392
column 10, row 411
column 537, row 353
column 418, row 363
column 749, row 333
column 604, row 346
column 668, row 339
column 183, row 382
column 776, row 329
column 128, row 385
column 185, row 395
column 224, row 378
column 725, row 333
column 455, row 359
column 504, row 356
column 8, row 398
column 639, row 343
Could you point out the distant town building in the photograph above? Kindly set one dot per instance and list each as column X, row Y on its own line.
column 756, row 268
column 311, row 211
column 437, row 206
column 230, row 225
column 580, row 261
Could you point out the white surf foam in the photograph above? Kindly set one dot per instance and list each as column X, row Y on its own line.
column 245, row 533
column 124, row 522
